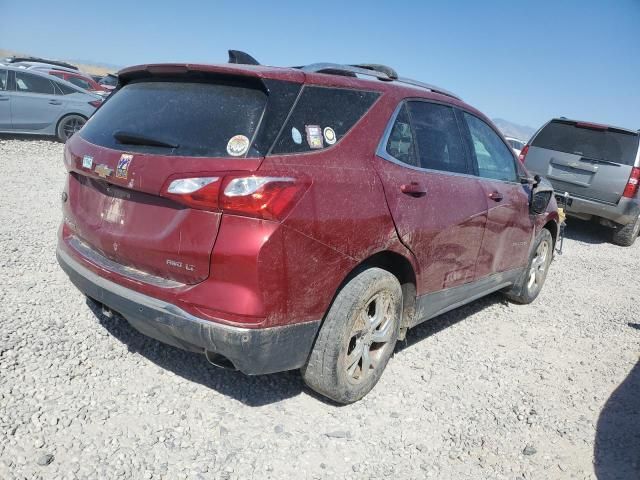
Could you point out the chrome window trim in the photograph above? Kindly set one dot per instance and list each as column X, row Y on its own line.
column 504, row 142
column 382, row 152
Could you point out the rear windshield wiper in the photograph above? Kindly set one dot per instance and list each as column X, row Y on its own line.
column 129, row 138
column 600, row 160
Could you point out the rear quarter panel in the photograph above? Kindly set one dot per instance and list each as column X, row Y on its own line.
column 342, row 219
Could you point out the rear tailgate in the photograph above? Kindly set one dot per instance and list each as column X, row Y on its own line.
column 586, row 160
column 150, row 132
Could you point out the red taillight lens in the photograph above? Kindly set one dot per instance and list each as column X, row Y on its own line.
column 200, row 192
column 632, row 185
column 95, row 103
column 264, row 197
column 270, row 198
column 523, row 153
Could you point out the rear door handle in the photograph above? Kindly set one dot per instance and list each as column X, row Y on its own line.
column 414, row 189
column 55, row 102
column 496, row 196
column 4, row 99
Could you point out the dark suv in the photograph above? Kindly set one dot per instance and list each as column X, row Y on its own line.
column 285, row 218
column 598, row 165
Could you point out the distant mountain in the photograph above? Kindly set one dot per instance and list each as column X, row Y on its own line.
column 510, row 129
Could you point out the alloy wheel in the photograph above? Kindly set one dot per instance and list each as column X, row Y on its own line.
column 370, row 338
column 539, row 264
column 72, row 126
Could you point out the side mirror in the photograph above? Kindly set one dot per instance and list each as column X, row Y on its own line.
column 527, row 180
column 539, row 201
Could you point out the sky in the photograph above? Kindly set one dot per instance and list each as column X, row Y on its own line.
column 524, row 61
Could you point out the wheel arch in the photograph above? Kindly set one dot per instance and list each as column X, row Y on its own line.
column 552, row 226
column 400, row 267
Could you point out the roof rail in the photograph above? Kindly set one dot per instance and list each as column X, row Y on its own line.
column 428, row 86
column 346, row 70
column 381, row 72
column 390, row 72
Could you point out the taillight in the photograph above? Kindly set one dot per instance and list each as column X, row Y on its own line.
column 523, row 153
column 632, row 185
column 201, row 193
column 270, row 198
column 95, row 103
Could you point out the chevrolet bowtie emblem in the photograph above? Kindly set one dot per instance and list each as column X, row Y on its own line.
column 103, row 171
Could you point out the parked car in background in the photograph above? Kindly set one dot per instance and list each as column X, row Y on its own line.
column 109, row 80
column 74, row 76
column 33, row 102
column 284, row 218
column 81, row 80
column 516, row 145
column 598, row 165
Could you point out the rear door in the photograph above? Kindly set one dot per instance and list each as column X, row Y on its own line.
column 586, row 160
column 509, row 227
column 5, row 102
column 34, row 103
column 439, row 208
column 150, row 132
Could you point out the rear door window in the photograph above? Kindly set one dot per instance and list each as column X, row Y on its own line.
column 4, row 77
column 29, row 83
column 197, row 118
column 321, row 117
column 63, row 89
column 400, row 144
column 438, row 141
column 494, row 159
column 594, row 143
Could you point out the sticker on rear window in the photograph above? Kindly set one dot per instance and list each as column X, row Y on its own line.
column 87, row 162
column 122, row 170
column 238, row 145
column 329, row 135
column 314, row 136
column 296, row 136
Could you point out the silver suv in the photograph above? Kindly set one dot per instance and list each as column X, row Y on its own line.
column 598, row 165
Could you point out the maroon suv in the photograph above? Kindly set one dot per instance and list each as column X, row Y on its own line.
column 285, row 218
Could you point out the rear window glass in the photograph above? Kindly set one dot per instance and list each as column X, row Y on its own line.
column 321, row 117
column 196, row 119
column 612, row 145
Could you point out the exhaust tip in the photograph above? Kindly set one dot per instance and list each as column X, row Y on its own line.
column 219, row 361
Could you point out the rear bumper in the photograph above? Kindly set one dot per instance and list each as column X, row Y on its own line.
column 252, row 351
column 625, row 212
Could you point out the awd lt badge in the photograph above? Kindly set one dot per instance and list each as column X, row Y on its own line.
column 103, row 171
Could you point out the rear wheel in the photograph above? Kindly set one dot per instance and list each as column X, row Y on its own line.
column 532, row 279
column 627, row 235
column 357, row 337
column 68, row 126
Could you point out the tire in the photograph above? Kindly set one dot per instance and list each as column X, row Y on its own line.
column 68, row 125
column 367, row 308
column 528, row 286
column 626, row 236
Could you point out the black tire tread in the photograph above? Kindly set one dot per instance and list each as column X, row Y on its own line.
column 626, row 236
column 320, row 372
column 519, row 293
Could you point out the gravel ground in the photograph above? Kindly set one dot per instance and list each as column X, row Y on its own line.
column 489, row 391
